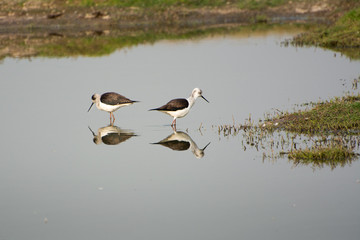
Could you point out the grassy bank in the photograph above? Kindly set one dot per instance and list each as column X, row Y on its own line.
column 321, row 154
column 336, row 118
column 319, row 157
column 100, row 43
column 327, row 134
column 342, row 36
column 96, row 27
column 246, row 4
column 301, row 5
column 242, row 4
column 338, row 114
column 59, row 16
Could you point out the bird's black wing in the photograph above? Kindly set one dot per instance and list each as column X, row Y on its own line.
column 115, row 138
column 174, row 105
column 176, row 145
column 112, row 98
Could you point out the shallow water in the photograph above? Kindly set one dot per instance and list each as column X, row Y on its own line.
column 57, row 184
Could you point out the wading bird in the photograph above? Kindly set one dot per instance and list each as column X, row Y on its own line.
column 180, row 107
column 110, row 102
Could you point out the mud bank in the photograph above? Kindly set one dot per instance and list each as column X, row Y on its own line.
column 52, row 17
column 54, row 29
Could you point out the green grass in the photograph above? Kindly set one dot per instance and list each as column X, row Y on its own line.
column 319, row 156
column 257, row 5
column 243, row 4
column 330, row 116
column 246, row 4
column 107, row 43
column 326, row 135
column 317, row 151
column 152, row 3
column 328, row 153
column 344, row 35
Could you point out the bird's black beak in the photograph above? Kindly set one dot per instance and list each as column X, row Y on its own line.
column 204, row 98
column 90, row 106
column 206, row 146
column 92, row 131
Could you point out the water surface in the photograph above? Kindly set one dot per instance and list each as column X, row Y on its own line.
column 56, row 183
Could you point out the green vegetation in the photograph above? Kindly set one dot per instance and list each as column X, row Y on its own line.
column 329, row 153
column 336, row 118
column 256, row 5
column 243, row 4
column 319, row 156
column 330, row 116
column 102, row 15
column 342, row 36
column 247, row 4
column 100, row 43
column 325, row 135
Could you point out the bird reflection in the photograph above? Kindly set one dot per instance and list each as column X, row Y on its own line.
column 180, row 141
column 111, row 135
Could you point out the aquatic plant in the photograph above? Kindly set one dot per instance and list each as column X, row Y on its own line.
column 320, row 156
column 335, row 152
column 337, row 114
column 325, row 135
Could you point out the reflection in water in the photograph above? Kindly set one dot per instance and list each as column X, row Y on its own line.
column 180, row 141
column 315, row 151
column 317, row 164
column 111, row 135
column 102, row 43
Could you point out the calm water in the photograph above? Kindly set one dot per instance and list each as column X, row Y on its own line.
column 55, row 183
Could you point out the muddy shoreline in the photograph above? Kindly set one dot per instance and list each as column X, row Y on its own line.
column 56, row 30
column 46, row 18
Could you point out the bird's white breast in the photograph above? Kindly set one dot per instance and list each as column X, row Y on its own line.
column 109, row 108
column 179, row 113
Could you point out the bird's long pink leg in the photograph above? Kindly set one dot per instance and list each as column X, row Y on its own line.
column 173, row 127
column 113, row 117
column 173, row 122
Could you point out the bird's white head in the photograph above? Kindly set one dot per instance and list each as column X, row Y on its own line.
column 95, row 97
column 197, row 92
